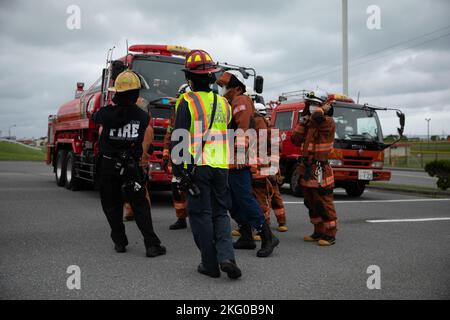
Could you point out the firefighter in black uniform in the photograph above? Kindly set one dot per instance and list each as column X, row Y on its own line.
column 124, row 142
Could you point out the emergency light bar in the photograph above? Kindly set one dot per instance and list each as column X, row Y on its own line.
column 164, row 50
column 301, row 93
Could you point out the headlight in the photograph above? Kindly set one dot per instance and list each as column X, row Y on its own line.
column 377, row 164
column 154, row 166
column 335, row 162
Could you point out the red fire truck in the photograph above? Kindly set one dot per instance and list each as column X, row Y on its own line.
column 72, row 148
column 357, row 157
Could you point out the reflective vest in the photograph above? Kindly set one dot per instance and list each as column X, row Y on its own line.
column 216, row 151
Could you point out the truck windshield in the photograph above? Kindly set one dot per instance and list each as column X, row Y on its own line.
column 283, row 120
column 161, row 113
column 164, row 78
column 356, row 124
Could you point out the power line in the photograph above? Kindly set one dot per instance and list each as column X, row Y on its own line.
column 365, row 55
column 352, row 65
column 335, row 69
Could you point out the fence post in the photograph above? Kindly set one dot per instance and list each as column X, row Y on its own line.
column 406, row 154
column 436, row 152
column 390, row 158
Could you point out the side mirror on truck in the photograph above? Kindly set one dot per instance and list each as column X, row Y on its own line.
column 400, row 130
column 259, row 84
column 401, row 117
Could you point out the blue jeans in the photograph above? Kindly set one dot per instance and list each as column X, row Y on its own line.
column 244, row 207
column 208, row 216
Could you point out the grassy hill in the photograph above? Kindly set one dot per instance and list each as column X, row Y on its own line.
column 16, row 152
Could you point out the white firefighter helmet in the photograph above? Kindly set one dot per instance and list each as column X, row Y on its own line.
column 261, row 108
column 250, row 92
column 226, row 77
column 238, row 76
column 317, row 97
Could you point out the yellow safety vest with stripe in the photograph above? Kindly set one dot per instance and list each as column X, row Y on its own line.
column 216, row 151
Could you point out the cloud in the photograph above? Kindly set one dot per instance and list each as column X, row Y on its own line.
column 294, row 44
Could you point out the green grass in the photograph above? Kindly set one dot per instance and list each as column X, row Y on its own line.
column 15, row 152
column 417, row 147
column 420, row 154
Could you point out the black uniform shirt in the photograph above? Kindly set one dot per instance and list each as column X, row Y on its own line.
column 123, row 128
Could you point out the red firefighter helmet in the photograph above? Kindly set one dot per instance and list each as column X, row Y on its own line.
column 200, row 62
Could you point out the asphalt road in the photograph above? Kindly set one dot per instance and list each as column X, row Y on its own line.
column 45, row 229
column 420, row 178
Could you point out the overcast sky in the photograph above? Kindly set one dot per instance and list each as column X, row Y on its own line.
column 293, row 44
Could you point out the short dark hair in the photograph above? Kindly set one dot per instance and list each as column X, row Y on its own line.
column 201, row 80
column 126, row 98
column 235, row 83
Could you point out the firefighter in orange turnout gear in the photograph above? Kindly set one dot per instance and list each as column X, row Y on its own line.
column 179, row 197
column 277, row 203
column 315, row 135
column 265, row 186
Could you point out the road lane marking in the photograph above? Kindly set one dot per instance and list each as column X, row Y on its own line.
column 378, row 201
column 408, row 220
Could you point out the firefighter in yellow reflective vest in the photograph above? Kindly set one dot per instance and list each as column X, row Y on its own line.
column 200, row 156
column 315, row 135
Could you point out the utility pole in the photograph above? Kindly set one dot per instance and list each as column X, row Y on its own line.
column 428, row 128
column 9, row 131
column 345, row 47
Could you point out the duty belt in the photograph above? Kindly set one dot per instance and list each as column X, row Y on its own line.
column 307, row 161
column 308, row 168
column 117, row 157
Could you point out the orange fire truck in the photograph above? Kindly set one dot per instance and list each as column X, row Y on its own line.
column 72, row 148
column 357, row 157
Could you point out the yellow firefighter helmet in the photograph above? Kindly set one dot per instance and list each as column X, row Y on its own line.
column 126, row 81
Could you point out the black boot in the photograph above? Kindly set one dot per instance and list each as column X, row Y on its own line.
column 120, row 248
column 231, row 269
column 268, row 242
column 155, row 250
column 180, row 224
column 213, row 274
column 245, row 241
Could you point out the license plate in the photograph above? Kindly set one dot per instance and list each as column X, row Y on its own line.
column 365, row 175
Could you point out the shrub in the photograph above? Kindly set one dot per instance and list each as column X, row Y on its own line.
column 440, row 169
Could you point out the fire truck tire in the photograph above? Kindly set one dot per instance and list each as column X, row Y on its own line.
column 295, row 187
column 60, row 168
column 356, row 189
column 72, row 182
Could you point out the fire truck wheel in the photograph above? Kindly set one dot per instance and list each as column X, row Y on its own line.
column 296, row 189
column 355, row 189
column 72, row 182
column 60, row 168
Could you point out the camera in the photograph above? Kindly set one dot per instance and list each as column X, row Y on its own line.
column 185, row 182
column 121, row 163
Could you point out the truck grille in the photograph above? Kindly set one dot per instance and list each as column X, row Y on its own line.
column 159, row 133
column 357, row 161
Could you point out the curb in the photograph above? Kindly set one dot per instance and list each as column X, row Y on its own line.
column 404, row 169
column 434, row 194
